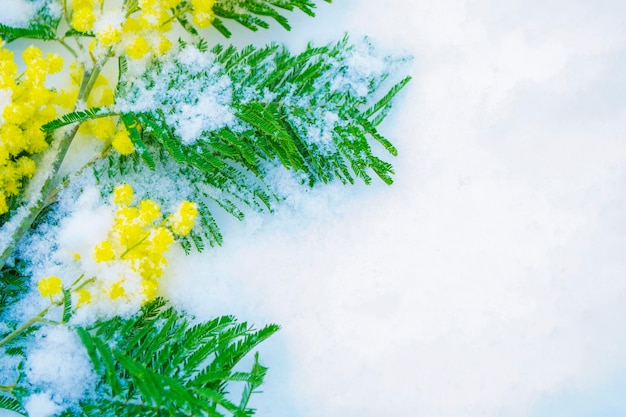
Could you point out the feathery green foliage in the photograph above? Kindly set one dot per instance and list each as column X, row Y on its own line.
column 35, row 31
column 43, row 26
column 160, row 364
column 12, row 285
column 163, row 363
column 280, row 105
column 250, row 13
column 261, row 109
column 303, row 112
column 11, row 404
column 78, row 116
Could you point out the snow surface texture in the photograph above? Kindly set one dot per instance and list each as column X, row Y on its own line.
column 193, row 103
column 20, row 15
column 58, row 365
column 489, row 280
column 21, row 12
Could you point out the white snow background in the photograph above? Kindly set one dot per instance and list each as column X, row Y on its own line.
column 489, row 280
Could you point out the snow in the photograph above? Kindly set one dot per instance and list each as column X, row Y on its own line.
column 488, row 280
column 32, row 194
column 41, row 405
column 109, row 20
column 57, row 365
column 22, row 12
column 190, row 89
column 361, row 66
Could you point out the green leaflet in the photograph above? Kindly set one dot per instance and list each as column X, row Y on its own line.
column 43, row 26
column 253, row 380
column 250, row 14
column 161, row 363
column 292, row 110
column 12, row 285
column 35, row 31
column 67, row 306
column 384, row 104
column 131, row 125
column 11, row 404
column 79, row 116
column 300, row 112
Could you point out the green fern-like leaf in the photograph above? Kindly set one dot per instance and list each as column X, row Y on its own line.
column 11, row 404
column 42, row 26
column 309, row 112
column 132, row 125
column 35, row 31
column 76, row 33
column 303, row 92
column 12, row 284
column 384, row 104
column 251, row 14
column 77, row 117
column 162, row 364
column 186, row 24
column 67, row 306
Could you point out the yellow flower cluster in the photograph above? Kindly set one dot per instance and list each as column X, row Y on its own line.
column 133, row 254
column 25, row 105
column 140, row 239
column 104, row 128
column 141, row 31
column 83, row 16
column 138, row 31
column 146, row 31
column 136, row 239
column 203, row 12
column 50, row 286
column 184, row 219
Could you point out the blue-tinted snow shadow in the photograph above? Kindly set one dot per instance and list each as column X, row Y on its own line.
column 607, row 398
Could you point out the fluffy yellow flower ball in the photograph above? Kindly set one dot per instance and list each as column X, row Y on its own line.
column 184, row 219
column 50, row 286
column 122, row 143
column 123, row 195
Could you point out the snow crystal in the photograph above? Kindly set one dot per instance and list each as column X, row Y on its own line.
column 9, row 364
column 194, row 60
column 57, row 364
column 32, row 194
column 22, row 12
column 19, row 14
column 41, row 405
column 189, row 87
column 109, row 19
column 87, row 225
column 321, row 128
column 360, row 67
